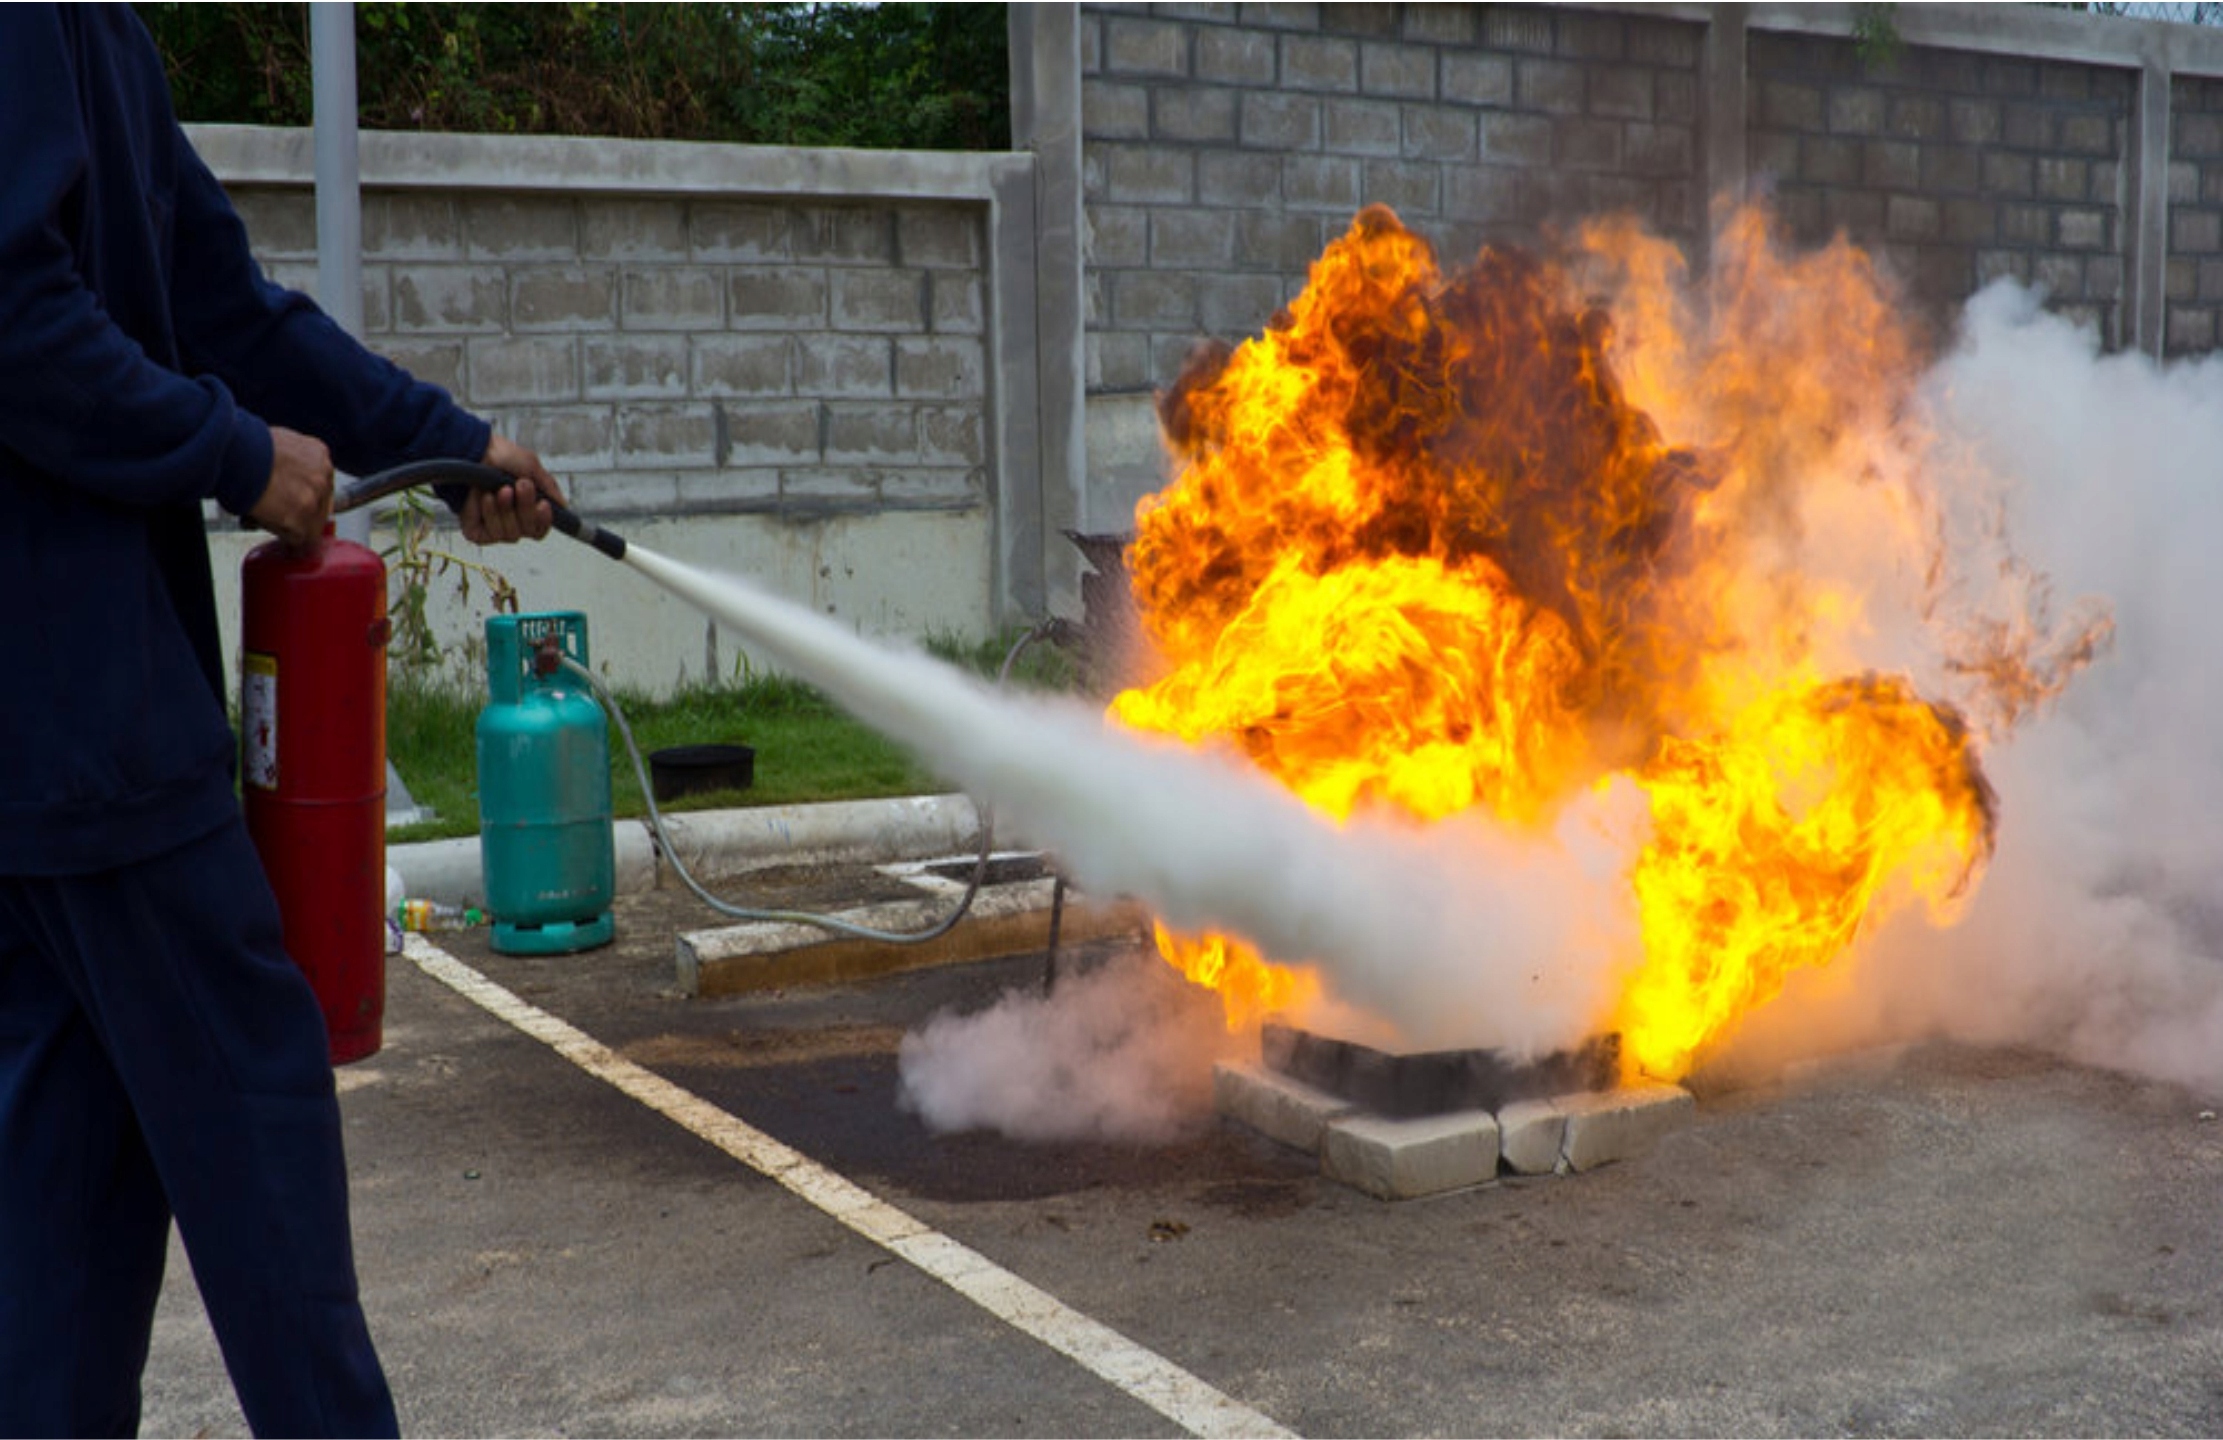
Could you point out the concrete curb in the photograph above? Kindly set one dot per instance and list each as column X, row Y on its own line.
column 721, row 842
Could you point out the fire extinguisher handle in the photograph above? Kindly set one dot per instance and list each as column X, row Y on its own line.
column 478, row 477
column 360, row 492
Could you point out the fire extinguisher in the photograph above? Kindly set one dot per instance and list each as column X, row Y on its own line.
column 312, row 711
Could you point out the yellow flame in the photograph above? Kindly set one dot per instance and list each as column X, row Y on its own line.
column 1442, row 543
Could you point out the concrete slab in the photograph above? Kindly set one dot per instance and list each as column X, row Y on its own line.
column 1282, row 1109
column 1615, row 1124
column 1406, row 1159
column 1531, row 1135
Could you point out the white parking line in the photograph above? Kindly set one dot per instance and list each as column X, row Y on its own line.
column 1149, row 1377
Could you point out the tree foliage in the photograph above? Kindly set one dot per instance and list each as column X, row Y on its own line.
column 896, row 76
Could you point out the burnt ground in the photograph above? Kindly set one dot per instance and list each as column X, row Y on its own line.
column 1963, row 1242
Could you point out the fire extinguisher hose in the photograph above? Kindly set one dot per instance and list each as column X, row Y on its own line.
column 475, row 476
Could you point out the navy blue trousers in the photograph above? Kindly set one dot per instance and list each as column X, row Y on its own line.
column 159, row 1053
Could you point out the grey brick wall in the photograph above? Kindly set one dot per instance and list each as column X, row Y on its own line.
column 1954, row 167
column 683, row 354
column 2193, row 279
column 1224, row 145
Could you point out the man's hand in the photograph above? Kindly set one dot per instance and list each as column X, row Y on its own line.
column 514, row 512
column 297, row 499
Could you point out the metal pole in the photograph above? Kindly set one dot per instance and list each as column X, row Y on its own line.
column 339, row 245
column 339, row 200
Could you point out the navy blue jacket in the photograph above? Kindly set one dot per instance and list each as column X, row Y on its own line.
column 143, row 358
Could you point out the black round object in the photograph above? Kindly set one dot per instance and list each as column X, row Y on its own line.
column 692, row 769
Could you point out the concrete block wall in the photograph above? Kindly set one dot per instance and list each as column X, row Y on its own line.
column 2193, row 282
column 1955, row 167
column 817, row 368
column 1224, row 145
column 672, row 354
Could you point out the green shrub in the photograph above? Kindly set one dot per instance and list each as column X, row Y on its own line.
column 905, row 76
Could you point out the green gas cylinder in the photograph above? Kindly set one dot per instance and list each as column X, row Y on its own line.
column 545, row 841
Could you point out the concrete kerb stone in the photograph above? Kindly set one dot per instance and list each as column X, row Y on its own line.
column 1616, row 1124
column 1530, row 1135
column 1405, row 1159
column 1276, row 1106
column 722, row 842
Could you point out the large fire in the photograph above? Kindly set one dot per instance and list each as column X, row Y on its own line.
column 1445, row 542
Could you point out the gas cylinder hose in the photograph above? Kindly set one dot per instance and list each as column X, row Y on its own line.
column 804, row 917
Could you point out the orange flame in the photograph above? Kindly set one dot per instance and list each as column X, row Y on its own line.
column 1430, row 550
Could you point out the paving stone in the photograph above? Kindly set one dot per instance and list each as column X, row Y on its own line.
column 1531, row 1134
column 1616, row 1124
column 1277, row 1107
column 1406, row 1159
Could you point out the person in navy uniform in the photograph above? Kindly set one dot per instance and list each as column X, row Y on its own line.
column 160, row 1056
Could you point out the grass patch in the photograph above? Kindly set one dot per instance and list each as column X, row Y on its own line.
column 807, row 749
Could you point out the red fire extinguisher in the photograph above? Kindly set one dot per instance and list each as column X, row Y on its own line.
column 313, row 767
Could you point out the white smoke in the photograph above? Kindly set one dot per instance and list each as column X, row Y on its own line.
column 1120, row 1052
column 2098, row 930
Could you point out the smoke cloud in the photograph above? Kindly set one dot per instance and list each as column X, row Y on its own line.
column 1120, row 1052
column 2098, row 930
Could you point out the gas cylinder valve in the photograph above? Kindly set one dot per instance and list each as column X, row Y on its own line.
column 548, row 655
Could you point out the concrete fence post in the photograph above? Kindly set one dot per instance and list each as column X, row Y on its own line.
column 1046, row 120
column 1722, row 85
column 2147, row 205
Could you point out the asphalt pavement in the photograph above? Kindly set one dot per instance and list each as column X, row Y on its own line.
column 1962, row 1242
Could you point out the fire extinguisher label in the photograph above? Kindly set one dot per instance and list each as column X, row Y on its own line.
column 258, row 719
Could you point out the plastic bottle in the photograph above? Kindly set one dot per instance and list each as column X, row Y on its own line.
column 397, row 894
column 424, row 915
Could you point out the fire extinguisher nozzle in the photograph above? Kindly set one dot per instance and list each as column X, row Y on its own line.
column 609, row 542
